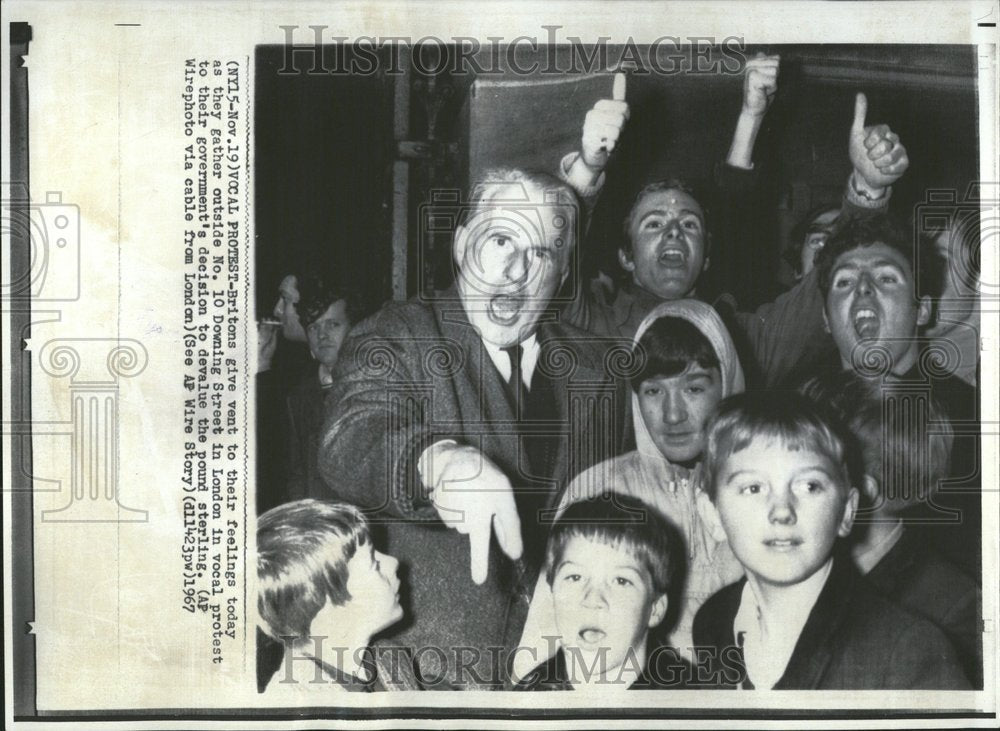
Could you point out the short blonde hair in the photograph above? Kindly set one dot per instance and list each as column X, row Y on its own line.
column 791, row 420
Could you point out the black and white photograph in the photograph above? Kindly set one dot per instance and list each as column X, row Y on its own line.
column 361, row 352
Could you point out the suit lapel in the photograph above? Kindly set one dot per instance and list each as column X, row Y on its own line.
column 715, row 620
column 485, row 416
column 813, row 651
column 581, row 391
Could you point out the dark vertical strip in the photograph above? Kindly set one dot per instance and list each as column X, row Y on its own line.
column 22, row 538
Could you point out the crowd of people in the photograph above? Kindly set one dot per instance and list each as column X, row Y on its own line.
column 637, row 488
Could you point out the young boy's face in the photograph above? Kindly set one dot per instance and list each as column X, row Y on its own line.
column 374, row 587
column 604, row 602
column 374, row 603
column 675, row 410
column 782, row 510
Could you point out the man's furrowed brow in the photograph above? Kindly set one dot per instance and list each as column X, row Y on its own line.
column 890, row 264
column 654, row 212
column 849, row 265
column 663, row 213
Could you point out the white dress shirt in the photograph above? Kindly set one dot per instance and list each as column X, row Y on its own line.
column 529, row 359
column 432, row 460
column 769, row 637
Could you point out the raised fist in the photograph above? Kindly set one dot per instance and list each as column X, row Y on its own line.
column 760, row 83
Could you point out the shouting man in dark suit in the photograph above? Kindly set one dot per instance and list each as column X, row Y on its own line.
column 466, row 415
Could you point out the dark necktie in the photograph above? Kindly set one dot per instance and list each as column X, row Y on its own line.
column 515, row 384
column 534, row 404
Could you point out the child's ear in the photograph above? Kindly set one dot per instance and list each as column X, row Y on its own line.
column 625, row 259
column 659, row 611
column 850, row 508
column 710, row 516
column 826, row 322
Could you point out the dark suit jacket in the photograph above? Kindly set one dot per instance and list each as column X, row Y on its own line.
column 953, row 520
column 665, row 670
column 291, row 363
column 854, row 639
column 305, row 422
column 421, row 374
column 918, row 578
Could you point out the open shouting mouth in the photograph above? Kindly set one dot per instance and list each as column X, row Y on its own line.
column 866, row 323
column 673, row 258
column 504, row 309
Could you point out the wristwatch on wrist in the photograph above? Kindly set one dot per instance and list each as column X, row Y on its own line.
column 861, row 192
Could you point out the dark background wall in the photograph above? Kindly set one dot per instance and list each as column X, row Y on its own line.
column 323, row 157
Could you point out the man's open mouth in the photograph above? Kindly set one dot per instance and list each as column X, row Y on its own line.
column 591, row 635
column 866, row 323
column 673, row 258
column 504, row 309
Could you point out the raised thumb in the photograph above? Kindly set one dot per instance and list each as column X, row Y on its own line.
column 860, row 112
column 618, row 87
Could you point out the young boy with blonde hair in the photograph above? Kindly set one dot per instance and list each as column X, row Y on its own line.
column 782, row 487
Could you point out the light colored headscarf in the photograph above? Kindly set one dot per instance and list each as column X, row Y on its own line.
column 672, row 489
column 709, row 324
